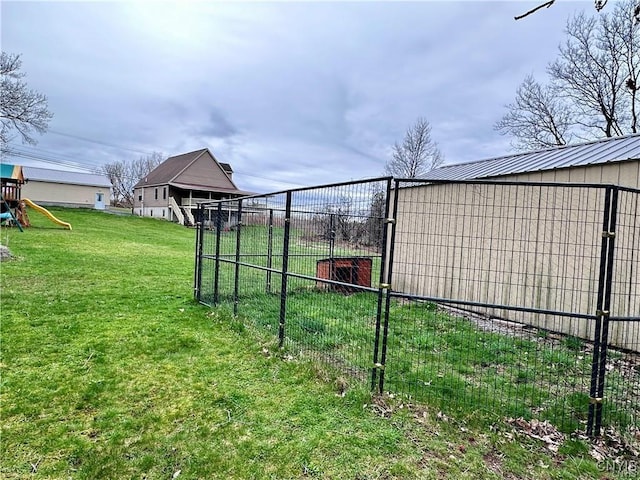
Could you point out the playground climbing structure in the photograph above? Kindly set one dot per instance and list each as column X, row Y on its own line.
column 13, row 207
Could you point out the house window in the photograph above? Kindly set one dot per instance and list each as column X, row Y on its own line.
column 163, row 212
column 151, row 213
column 164, row 193
column 156, row 192
column 140, row 197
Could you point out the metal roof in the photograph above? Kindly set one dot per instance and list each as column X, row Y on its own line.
column 67, row 177
column 606, row 150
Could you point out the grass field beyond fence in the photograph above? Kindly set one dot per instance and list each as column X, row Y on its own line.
column 109, row 369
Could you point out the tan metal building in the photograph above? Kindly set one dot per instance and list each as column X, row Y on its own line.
column 536, row 246
column 65, row 188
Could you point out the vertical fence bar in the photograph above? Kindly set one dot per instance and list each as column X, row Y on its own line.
column 610, row 235
column 387, row 303
column 384, row 232
column 216, row 270
column 332, row 236
column 594, row 400
column 269, row 251
column 285, row 267
column 236, row 280
column 635, row 249
column 197, row 281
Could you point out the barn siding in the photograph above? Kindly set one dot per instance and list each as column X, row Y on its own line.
column 536, row 247
column 48, row 193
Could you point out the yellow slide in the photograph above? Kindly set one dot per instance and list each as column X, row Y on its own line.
column 46, row 213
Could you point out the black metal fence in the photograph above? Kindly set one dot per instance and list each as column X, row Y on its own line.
column 518, row 299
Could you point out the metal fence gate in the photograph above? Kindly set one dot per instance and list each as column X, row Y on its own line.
column 517, row 298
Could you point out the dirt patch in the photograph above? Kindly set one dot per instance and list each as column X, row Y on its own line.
column 493, row 460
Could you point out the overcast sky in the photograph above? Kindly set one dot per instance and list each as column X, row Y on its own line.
column 289, row 93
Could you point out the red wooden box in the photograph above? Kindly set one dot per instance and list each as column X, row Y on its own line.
column 352, row 270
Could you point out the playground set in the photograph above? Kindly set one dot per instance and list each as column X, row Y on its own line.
column 12, row 207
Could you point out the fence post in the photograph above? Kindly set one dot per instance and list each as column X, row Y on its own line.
column 382, row 281
column 269, row 251
column 285, row 266
column 387, row 301
column 236, row 280
column 610, row 235
column 603, row 306
column 216, row 271
column 197, row 281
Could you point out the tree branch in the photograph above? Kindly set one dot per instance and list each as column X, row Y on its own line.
column 534, row 10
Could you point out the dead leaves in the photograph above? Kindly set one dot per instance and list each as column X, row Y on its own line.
column 543, row 431
column 380, row 406
column 615, row 447
column 610, row 447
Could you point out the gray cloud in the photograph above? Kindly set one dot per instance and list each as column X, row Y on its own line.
column 217, row 125
column 299, row 92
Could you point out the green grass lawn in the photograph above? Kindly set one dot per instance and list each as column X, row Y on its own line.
column 111, row 370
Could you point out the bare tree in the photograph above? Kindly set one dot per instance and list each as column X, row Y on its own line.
column 628, row 37
column 374, row 223
column 593, row 85
column 125, row 174
column 537, row 118
column 590, row 73
column 333, row 221
column 21, row 108
column 417, row 154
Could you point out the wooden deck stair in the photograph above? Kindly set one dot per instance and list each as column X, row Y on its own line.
column 175, row 208
column 189, row 215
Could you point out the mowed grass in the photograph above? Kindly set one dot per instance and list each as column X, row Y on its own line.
column 111, row 370
column 473, row 372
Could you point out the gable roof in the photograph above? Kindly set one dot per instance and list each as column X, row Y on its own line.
column 66, row 177
column 170, row 171
column 606, row 150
